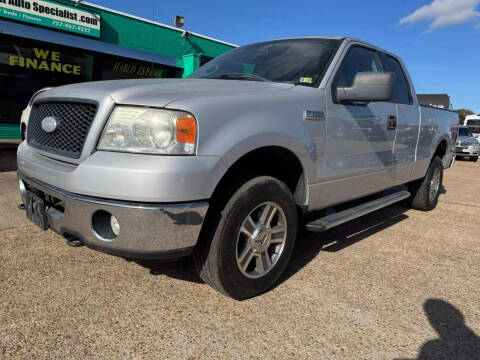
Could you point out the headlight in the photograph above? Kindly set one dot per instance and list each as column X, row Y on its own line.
column 147, row 130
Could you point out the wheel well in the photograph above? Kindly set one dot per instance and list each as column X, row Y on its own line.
column 274, row 161
column 441, row 150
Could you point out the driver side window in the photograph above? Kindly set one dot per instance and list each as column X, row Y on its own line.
column 358, row 59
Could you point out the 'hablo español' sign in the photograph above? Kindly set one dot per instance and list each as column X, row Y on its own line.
column 51, row 14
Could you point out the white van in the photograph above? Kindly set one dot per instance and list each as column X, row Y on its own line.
column 473, row 123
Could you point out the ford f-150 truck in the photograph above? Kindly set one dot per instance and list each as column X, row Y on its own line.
column 226, row 163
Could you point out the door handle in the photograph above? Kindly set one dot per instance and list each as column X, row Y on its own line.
column 391, row 122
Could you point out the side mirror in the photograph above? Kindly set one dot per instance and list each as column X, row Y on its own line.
column 368, row 87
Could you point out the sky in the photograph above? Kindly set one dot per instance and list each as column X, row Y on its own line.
column 437, row 39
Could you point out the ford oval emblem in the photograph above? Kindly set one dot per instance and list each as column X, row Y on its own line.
column 49, row 124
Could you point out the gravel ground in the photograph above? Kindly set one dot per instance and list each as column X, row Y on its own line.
column 396, row 284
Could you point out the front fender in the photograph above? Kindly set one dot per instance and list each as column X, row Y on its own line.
column 267, row 139
column 232, row 126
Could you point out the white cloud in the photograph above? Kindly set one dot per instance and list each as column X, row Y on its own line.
column 445, row 12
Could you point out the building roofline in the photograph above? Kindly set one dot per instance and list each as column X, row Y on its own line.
column 155, row 23
column 440, row 94
column 71, row 40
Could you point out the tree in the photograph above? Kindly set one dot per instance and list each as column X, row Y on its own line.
column 463, row 113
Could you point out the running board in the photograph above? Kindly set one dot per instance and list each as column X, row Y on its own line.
column 341, row 217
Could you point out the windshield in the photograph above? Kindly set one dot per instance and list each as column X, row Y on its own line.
column 463, row 131
column 474, row 129
column 472, row 122
column 296, row 61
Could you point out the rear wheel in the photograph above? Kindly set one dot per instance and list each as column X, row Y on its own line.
column 474, row 158
column 425, row 192
column 248, row 238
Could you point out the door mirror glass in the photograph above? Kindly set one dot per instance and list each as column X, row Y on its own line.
column 368, row 87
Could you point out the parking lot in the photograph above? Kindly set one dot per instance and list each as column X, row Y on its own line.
column 395, row 284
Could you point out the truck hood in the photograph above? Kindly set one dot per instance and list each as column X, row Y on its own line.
column 467, row 139
column 161, row 92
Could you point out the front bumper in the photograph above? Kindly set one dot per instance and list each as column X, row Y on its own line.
column 467, row 153
column 127, row 177
column 149, row 231
column 472, row 150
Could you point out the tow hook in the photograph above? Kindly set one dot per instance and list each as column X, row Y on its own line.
column 73, row 241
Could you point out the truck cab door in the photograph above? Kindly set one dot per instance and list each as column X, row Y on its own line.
column 360, row 137
column 408, row 119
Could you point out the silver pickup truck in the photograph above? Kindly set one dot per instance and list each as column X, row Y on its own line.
column 226, row 163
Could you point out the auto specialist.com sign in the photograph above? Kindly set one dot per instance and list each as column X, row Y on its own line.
column 53, row 15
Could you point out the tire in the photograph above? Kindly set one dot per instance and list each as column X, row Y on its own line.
column 223, row 240
column 474, row 158
column 425, row 192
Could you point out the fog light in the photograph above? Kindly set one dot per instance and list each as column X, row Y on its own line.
column 115, row 225
column 105, row 226
column 23, row 189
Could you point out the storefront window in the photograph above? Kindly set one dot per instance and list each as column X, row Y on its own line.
column 29, row 65
column 114, row 67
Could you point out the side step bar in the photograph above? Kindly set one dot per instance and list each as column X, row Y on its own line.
column 341, row 217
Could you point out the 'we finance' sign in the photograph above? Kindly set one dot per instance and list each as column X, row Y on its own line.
column 51, row 14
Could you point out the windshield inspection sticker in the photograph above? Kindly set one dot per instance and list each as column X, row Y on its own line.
column 306, row 80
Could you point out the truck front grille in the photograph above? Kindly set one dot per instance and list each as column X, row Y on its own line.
column 73, row 121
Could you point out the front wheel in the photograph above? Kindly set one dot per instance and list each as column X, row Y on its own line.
column 425, row 192
column 474, row 158
column 248, row 239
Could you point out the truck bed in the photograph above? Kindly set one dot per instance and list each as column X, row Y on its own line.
column 436, row 121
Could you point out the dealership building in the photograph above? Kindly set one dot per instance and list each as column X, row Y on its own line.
column 47, row 43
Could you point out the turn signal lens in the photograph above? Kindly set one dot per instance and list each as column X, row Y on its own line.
column 186, row 130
